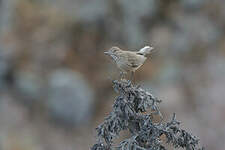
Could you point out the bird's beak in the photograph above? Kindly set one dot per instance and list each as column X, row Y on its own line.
column 106, row 53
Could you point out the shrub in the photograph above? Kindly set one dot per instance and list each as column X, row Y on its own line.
column 130, row 113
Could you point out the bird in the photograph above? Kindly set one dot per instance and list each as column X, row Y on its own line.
column 128, row 61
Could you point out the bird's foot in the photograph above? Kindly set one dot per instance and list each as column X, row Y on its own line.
column 129, row 82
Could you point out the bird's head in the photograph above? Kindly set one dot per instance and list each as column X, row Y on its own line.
column 113, row 52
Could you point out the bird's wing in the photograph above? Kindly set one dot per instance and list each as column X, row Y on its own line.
column 134, row 60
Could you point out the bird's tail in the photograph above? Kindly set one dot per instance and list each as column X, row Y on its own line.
column 145, row 50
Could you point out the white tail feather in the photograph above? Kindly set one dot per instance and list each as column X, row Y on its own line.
column 145, row 50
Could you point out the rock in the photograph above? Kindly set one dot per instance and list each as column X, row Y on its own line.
column 30, row 85
column 134, row 11
column 7, row 8
column 82, row 11
column 92, row 11
column 192, row 4
column 3, row 71
column 70, row 98
column 137, row 9
column 192, row 31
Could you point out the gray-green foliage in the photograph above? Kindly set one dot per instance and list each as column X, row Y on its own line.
column 127, row 114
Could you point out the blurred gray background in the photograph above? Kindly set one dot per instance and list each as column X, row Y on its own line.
column 55, row 83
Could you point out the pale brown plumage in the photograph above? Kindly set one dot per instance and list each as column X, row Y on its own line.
column 128, row 61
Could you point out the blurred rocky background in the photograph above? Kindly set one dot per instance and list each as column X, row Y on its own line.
column 55, row 81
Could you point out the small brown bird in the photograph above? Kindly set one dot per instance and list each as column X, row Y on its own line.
column 128, row 61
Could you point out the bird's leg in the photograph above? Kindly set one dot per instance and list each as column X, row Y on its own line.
column 132, row 76
column 121, row 75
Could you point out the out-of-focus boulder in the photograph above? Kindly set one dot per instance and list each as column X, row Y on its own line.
column 30, row 85
column 192, row 4
column 193, row 31
column 70, row 98
column 135, row 12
